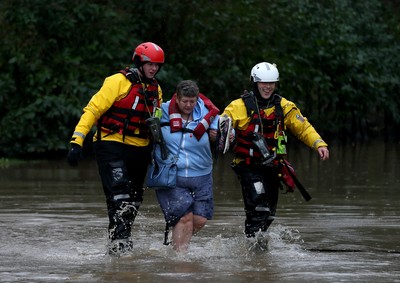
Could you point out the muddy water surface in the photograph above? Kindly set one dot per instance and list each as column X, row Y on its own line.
column 53, row 226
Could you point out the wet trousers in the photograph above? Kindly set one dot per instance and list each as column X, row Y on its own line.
column 122, row 169
column 260, row 188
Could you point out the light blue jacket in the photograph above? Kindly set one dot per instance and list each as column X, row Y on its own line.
column 195, row 158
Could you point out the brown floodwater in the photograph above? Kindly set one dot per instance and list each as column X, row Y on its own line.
column 53, row 226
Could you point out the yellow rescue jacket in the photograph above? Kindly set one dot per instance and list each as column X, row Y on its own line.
column 115, row 88
column 294, row 121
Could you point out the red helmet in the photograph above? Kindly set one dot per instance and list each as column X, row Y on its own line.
column 148, row 52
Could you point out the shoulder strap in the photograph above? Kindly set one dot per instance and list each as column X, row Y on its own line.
column 249, row 101
column 180, row 144
column 278, row 106
column 179, row 149
column 131, row 75
column 184, row 130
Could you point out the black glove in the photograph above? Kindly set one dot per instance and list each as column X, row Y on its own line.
column 74, row 154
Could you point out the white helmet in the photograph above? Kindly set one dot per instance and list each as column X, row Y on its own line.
column 264, row 72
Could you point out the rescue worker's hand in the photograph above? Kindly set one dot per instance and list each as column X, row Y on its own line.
column 323, row 152
column 212, row 134
column 74, row 154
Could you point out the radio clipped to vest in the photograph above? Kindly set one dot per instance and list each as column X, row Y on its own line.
column 260, row 143
column 155, row 129
column 272, row 128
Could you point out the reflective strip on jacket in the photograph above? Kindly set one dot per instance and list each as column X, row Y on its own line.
column 294, row 121
column 114, row 89
column 244, row 146
column 128, row 115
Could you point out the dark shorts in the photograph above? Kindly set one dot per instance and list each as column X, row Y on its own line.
column 192, row 194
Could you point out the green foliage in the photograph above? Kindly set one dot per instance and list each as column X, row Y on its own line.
column 337, row 66
column 338, row 60
column 54, row 57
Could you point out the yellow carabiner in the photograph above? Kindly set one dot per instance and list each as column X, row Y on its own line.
column 276, row 132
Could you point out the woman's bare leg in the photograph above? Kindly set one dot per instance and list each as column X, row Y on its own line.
column 198, row 223
column 182, row 233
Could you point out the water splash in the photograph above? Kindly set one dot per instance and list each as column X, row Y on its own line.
column 276, row 240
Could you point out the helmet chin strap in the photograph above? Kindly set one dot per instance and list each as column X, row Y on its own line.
column 142, row 74
column 256, row 91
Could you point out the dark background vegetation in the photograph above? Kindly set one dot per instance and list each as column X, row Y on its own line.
column 338, row 60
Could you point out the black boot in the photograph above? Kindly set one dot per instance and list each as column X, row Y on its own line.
column 257, row 220
column 122, row 215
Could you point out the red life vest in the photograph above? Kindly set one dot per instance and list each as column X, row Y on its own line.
column 128, row 115
column 244, row 146
column 175, row 118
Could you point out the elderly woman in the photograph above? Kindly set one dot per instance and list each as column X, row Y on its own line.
column 189, row 121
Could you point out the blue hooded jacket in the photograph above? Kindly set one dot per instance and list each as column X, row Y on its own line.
column 195, row 158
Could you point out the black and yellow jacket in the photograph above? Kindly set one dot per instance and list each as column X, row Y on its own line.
column 294, row 122
column 108, row 101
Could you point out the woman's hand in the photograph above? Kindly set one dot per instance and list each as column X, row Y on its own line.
column 212, row 134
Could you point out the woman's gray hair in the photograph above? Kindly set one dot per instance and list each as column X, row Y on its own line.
column 187, row 88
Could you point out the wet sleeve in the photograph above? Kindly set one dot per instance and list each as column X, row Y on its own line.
column 300, row 127
column 113, row 89
column 236, row 110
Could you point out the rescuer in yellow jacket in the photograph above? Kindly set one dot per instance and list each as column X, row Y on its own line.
column 120, row 110
column 260, row 119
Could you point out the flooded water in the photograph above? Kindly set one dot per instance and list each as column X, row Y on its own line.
column 53, row 226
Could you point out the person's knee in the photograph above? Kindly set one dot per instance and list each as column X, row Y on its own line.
column 198, row 223
column 187, row 219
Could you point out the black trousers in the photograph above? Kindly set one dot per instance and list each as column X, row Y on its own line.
column 260, row 189
column 122, row 169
